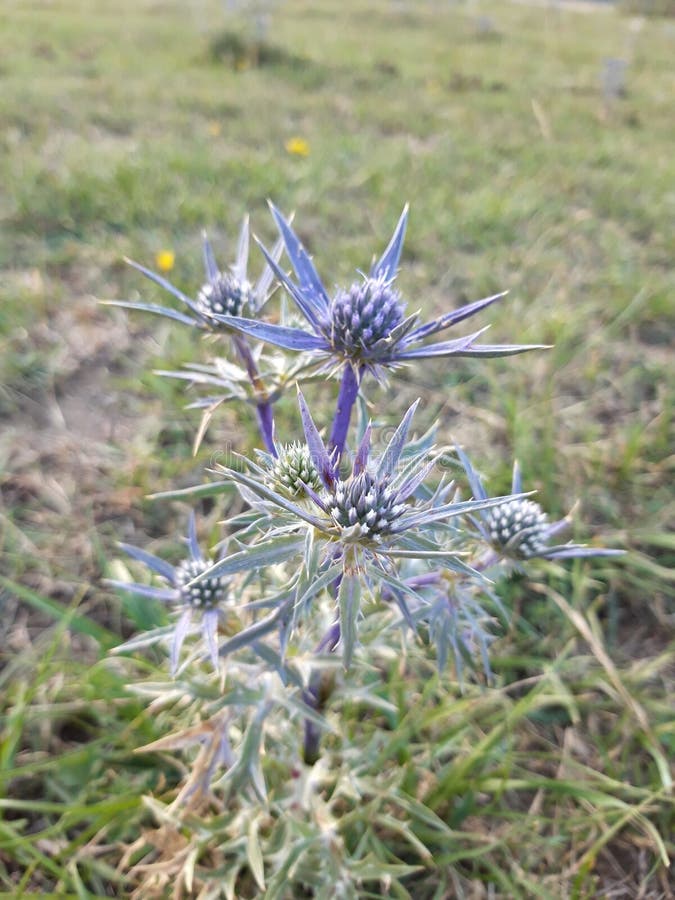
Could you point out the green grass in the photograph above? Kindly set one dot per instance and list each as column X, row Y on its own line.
column 123, row 134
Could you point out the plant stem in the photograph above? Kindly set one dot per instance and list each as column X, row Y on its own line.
column 263, row 405
column 349, row 391
column 312, row 697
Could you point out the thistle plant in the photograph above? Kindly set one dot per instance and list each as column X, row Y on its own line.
column 346, row 550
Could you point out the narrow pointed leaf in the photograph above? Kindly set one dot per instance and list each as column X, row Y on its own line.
column 165, row 311
column 164, row 283
column 390, row 457
column 448, row 560
column 179, row 635
column 449, row 510
column 496, row 350
column 444, row 348
column 303, row 302
column 196, row 491
column 387, row 265
column 452, row 318
column 361, row 458
column 317, row 449
column 193, row 544
column 475, row 483
column 570, row 551
column 254, row 632
column 145, row 639
column 163, row 568
column 264, row 283
column 240, row 268
column 210, row 630
column 411, row 484
column 311, row 284
column 516, row 481
column 257, row 556
column 210, row 264
column 279, row 335
column 144, row 590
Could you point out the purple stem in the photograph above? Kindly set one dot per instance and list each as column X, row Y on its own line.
column 263, row 407
column 417, row 581
column 349, row 391
column 312, row 698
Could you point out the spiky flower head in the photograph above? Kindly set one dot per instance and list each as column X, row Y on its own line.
column 376, row 504
column 293, row 470
column 518, row 528
column 364, row 326
column 360, row 526
column 224, row 295
column 206, row 593
column 206, row 596
column 365, row 505
column 363, row 318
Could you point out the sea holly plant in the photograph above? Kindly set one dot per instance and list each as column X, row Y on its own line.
column 350, row 549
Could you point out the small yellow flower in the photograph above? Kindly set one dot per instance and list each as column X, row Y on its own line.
column 214, row 128
column 297, row 146
column 164, row 260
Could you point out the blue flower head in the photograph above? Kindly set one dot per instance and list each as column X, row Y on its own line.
column 224, row 292
column 519, row 529
column 204, row 597
column 365, row 325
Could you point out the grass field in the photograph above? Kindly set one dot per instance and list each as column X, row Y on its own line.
column 128, row 127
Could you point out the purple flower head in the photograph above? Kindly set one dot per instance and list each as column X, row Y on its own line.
column 206, row 596
column 365, row 325
column 224, row 292
column 363, row 318
column 520, row 529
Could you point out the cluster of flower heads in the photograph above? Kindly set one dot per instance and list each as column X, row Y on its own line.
column 347, row 531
